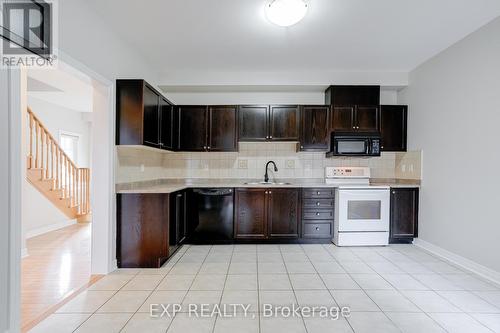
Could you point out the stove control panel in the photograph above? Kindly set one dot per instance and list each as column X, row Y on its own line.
column 347, row 172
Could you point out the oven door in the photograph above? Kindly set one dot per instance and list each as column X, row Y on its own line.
column 363, row 209
column 352, row 146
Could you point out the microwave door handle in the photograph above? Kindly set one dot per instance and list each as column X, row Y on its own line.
column 368, row 147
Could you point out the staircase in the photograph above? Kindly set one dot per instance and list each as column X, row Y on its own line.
column 53, row 173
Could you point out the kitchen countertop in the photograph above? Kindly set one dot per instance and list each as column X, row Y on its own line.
column 173, row 185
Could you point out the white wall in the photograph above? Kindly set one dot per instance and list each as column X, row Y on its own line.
column 454, row 102
column 86, row 37
column 87, row 43
column 387, row 96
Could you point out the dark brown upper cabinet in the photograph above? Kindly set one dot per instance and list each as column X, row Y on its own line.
column 354, row 108
column 166, row 124
column 404, row 215
column 393, row 127
column 253, row 122
column 284, row 122
column 193, row 122
column 269, row 123
column 140, row 118
column 222, row 125
column 207, row 128
column 314, row 127
column 266, row 213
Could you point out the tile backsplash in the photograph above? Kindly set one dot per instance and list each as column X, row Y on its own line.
column 139, row 163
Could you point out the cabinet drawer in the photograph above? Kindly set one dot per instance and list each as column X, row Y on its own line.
column 317, row 230
column 318, row 203
column 318, row 192
column 317, row 214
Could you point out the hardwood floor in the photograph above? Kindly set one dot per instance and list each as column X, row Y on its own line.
column 58, row 266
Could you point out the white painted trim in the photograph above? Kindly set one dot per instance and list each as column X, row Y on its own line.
column 13, row 81
column 48, row 228
column 24, row 252
column 458, row 260
column 103, row 236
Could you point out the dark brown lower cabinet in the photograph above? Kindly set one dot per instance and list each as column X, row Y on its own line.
column 142, row 230
column 283, row 212
column 318, row 213
column 251, row 214
column 266, row 213
column 404, row 215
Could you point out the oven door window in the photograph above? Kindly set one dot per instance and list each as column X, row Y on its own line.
column 351, row 147
column 364, row 210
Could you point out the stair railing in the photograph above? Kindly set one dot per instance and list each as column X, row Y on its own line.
column 44, row 153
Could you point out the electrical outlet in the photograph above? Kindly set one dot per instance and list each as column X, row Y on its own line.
column 290, row 164
column 243, row 164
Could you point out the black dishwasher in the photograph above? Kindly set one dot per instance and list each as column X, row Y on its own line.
column 212, row 222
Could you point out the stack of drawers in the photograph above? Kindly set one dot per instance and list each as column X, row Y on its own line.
column 317, row 212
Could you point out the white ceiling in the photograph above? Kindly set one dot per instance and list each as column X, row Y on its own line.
column 61, row 86
column 336, row 35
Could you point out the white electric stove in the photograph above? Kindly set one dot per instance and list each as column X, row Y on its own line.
column 361, row 210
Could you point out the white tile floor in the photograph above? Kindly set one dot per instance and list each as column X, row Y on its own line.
column 388, row 289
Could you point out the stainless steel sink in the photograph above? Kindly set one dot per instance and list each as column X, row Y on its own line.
column 267, row 183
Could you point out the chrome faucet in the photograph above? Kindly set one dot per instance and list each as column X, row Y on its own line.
column 266, row 176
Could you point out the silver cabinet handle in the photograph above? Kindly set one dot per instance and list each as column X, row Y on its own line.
column 270, row 192
column 301, row 147
column 208, row 147
column 270, row 136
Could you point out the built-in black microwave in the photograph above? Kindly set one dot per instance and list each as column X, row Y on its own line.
column 354, row 144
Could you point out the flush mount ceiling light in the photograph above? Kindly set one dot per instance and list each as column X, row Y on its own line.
column 286, row 12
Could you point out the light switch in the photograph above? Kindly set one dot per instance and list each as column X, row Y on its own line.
column 242, row 164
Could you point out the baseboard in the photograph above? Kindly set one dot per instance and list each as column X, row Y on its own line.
column 48, row 228
column 24, row 252
column 458, row 260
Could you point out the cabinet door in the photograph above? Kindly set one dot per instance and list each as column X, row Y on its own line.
column 283, row 213
column 251, row 214
column 404, row 214
column 253, row 122
column 222, row 128
column 151, row 121
column 142, row 230
column 192, row 127
column 284, row 123
column 367, row 118
column 167, row 124
column 343, row 118
column 181, row 222
column 393, row 122
column 314, row 125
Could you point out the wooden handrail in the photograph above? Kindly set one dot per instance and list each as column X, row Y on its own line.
column 46, row 154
